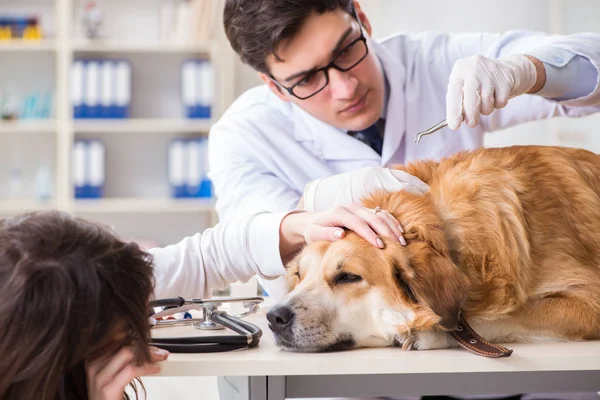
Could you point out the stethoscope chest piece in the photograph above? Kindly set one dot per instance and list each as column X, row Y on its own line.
column 208, row 326
column 246, row 335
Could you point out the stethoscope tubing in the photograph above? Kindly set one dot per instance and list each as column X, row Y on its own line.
column 248, row 336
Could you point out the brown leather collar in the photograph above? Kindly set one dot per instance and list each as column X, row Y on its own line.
column 470, row 340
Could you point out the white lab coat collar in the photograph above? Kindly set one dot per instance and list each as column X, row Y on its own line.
column 395, row 122
column 329, row 142
column 386, row 96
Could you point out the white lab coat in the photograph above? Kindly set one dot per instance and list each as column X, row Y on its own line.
column 263, row 150
column 233, row 250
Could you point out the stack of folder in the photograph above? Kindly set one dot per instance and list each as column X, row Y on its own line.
column 101, row 88
column 197, row 88
column 188, row 166
column 88, row 168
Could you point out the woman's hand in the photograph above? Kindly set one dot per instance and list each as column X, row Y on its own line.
column 306, row 227
column 108, row 377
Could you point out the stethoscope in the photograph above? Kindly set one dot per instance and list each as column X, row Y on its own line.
column 248, row 335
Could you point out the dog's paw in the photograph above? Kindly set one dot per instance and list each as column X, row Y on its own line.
column 430, row 340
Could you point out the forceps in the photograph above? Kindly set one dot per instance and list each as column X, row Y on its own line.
column 435, row 128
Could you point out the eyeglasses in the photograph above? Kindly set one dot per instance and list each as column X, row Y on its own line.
column 315, row 81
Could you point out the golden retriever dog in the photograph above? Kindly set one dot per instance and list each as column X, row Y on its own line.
column 509, row 238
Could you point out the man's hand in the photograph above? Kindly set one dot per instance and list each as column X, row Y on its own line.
column 327, row 225
column 306, row 227
column 107, row 377
column 479, row 85
column 333, row 205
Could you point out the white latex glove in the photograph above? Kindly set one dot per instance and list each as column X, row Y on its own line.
column 351, row 187
column 479, row 85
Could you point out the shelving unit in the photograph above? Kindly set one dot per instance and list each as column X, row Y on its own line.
column 28, row 46
column 140, row 47
column 19, row 206
column 29, row 126
column 142, row 125
column 156, row 74
column 125, row 205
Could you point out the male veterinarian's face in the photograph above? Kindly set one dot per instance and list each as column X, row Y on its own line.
column 353, row 99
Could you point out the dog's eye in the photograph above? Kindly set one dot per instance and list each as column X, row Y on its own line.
column 345, row 278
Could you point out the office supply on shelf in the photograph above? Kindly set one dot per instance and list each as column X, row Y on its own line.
column 176, row 168
column 204, row 90
column 88, row 169
column 77, row 88
column 123, row 89
column 20, row 27
column 9, row 106
column 197, row 88
column 92, row 19
column 101, row 89
column 188, row 166
column 108, row 88
column 198, row 184
column 187, row 22
column 79, row 168
column 92, row 89
column 36, row 105
column 96, row 169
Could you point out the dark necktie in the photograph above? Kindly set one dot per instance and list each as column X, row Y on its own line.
column 370, row 136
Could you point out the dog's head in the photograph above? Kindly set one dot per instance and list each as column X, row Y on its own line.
column 349, row 294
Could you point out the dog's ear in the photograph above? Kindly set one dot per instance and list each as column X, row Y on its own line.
column 437, row 283
column 436, row 280
column 432, row 276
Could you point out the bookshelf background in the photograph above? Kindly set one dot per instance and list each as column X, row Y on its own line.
column 136, row 200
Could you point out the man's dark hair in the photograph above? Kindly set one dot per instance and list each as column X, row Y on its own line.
column 257, row 28
column 70, row 291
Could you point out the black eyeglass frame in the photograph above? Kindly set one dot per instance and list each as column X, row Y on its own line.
column 331, row 64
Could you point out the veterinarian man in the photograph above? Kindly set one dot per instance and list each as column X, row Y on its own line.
column 334, row 100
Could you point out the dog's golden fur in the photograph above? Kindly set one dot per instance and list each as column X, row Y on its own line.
column 509, row 236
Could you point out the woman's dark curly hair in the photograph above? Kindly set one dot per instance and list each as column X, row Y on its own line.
column 68, row 287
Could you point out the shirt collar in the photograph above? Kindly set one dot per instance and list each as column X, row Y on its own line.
column 386, row 96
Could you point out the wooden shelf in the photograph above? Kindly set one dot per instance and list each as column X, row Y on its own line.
column 142, row 206
column 16, row 45
column 28, row 126
column 113, row 46
column 18, row 206
column 142, row 126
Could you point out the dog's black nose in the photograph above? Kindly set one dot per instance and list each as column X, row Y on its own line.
column 280, row 318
